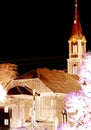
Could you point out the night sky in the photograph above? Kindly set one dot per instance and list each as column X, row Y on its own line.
column 34, row 33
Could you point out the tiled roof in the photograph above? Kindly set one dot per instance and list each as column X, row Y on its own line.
column 57, row 81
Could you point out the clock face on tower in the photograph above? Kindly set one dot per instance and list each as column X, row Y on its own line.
column 74, row 40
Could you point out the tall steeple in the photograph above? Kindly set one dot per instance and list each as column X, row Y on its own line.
column 77, row 44
column 76, row 29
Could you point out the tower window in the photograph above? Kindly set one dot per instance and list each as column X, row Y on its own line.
column 75, row 69
column 74, row 48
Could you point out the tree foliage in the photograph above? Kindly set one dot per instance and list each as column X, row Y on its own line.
column 8, row 72
column 78, row 104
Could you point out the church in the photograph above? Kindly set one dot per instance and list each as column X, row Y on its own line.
column 35, row 100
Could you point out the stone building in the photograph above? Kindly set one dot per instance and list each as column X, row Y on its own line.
column 37, row 98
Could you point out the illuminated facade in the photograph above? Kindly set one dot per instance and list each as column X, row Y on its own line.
column 50, row 86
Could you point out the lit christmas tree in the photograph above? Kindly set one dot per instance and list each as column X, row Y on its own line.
column 78, row 104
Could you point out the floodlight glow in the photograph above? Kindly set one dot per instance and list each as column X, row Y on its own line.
column 2, row 93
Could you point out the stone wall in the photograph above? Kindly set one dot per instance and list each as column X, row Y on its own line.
column 47, row 107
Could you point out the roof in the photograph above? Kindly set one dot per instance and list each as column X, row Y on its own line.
column 46, row 80
column 77, row 29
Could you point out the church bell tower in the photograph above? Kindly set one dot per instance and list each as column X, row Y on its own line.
column 77, row 44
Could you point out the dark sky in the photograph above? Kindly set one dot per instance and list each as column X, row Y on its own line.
column 36, row 32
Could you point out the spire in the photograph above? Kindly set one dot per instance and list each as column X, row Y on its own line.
column 76, row 29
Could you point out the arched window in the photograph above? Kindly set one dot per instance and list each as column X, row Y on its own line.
column 75, row 69
column 74, row 48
